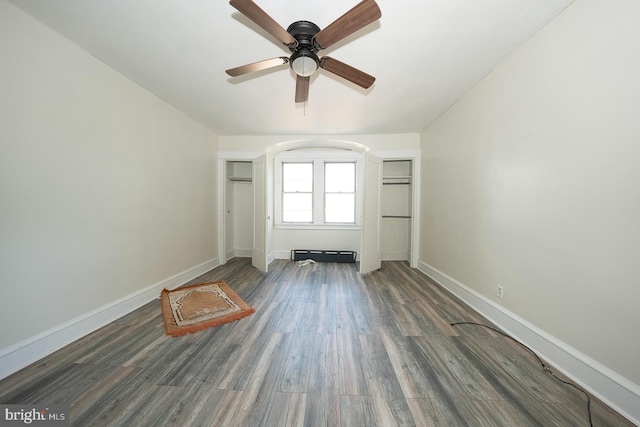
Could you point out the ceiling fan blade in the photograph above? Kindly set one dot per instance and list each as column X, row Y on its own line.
column 252, row 11
column 302, row 89
column 363, row 14
column 345, row 71
column 257, row 66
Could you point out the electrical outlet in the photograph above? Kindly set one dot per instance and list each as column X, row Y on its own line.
column 500, row 291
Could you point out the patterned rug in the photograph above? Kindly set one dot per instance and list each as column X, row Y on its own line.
column 197, row 307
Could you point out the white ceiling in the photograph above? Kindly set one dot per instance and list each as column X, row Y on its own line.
column 425, row 54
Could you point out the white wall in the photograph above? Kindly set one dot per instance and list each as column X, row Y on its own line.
column 104, row 188
column 284, row 240
column 531, row 181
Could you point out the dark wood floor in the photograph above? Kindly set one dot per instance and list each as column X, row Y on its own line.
column 326, row 347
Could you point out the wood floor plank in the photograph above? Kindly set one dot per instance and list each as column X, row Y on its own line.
column 428, row 413
column 408, row 324
column 323, row 399
column 18, row 388
column 66, row 385
column 292, row 312
column 358, row 411
column 431, row 320
column 352, row 379
column 457, row 362
column 246, row 356
column 273, row 415
column 222, row 355
column 325, row 347
column 377, row 297
column 308, row 320
column 93, row 397
column 325, row 371
column 326, row 313
column 125, row 402
column 515, row 370
column 180, row 361
column 297, row 366
column 296, row 410
column 345, row 320
column 258, row 403
column 197, row 406
column 407, row 365
column 152, row 412
column 445, row 385
column 390, row 404
column 227, row 414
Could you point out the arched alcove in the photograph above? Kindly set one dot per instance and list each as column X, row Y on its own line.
column 279, row 239
column 316, row 143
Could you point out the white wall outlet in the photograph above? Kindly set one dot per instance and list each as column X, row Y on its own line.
column 500, row 291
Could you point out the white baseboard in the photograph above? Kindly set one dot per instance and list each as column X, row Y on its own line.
column 271, row 257
column 239, row 253
column 282, row 255
column 20, row 355
column 616, row 391
column 395, row 256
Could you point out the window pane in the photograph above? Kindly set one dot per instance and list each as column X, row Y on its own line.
column 340, row 208
column 297, row 207
column 340, row 177
column 297, row 177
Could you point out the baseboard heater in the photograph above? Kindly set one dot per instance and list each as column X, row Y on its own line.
column 323, row 256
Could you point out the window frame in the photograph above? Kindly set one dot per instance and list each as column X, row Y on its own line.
column 318, row 158
column 327, row 193
column 311, row 193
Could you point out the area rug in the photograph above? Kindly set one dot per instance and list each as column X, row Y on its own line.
column 197, row 307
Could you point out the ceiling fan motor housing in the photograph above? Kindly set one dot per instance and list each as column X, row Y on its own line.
column 304, row 60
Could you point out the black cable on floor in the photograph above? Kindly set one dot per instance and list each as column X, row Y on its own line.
column 545, row 367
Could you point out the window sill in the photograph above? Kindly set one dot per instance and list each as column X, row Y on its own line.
column 317, row 227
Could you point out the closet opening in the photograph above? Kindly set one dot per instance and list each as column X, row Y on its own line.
column 396, row 209
column 238, row 211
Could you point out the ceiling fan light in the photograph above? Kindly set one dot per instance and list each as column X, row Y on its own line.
column 304, row 63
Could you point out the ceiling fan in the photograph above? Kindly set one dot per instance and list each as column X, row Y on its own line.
column 304, row 39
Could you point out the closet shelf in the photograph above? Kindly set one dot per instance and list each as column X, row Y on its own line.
column 239, row 179
column 396, row 180
column 397, row 177
column 396, row 216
